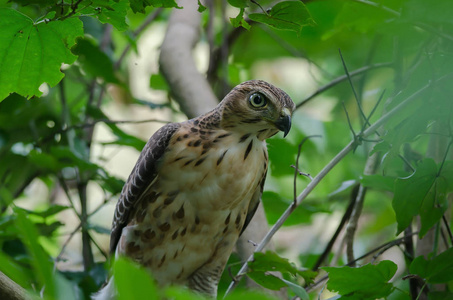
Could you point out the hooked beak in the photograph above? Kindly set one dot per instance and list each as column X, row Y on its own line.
column 284, row 122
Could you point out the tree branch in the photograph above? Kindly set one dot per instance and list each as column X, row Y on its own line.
column 11, row 290
column 190, row 89
column 370, row 167
column 341, row 79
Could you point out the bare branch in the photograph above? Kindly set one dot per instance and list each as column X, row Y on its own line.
column 353, row 89
column 343, row 221
column 296, row 167
column 11, row 290
column 341, row 79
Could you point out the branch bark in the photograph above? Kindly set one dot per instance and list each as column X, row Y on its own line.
column 188, row 86
column 9, row 290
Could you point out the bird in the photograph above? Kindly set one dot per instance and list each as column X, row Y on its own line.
column 195, row 188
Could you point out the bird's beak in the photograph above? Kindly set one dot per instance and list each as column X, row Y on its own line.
column 284, row 121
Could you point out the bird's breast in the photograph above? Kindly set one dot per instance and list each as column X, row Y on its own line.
column 224, row 169
column 195, row 209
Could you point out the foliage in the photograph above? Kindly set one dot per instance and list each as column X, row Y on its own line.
column 366, row 282
column 62, row 64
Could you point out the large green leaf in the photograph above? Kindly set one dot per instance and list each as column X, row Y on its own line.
column 271, row 261
column 366, row 282
column 269, row 281
column 114, row 14
column 132, row 281
column 436, row 270
column 32, row 53
column 286, row 15
column 140, row 5
column 282, row 155
column 421, row 193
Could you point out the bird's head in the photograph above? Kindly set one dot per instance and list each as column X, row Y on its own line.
column 257, row 107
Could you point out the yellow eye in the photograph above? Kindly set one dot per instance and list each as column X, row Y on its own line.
column 258, row 100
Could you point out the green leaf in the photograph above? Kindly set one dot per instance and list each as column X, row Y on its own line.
column 421, row 193
column 433, row 206
column 99, row 229
column 378, row 182
column 201, row 7
column 269, row 281
column 71, row 159
column 32, row 53
column 93, row 60
column 14, row 270
column 44, row 161
column 410, row 192
column 436, row 270
column 297, row 289
column 238, row 3
column 447, row 174
column 275, row 204
column 285, row 15
column 51, row 211
column 239, row 20
column 138, row 284
column 282, row 155
column 366, row 282
column 345, row 188
column 158, row 82
column 271, row 261
column 41, row 262
column 181, row 293
column 382, row 147
column 140, row 5
column 116, row 15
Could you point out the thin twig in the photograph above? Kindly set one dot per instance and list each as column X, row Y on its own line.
column 341, row 79
column 65, row 244
column 367, row 119
column 349, row 120
column 296, row 167
column 308, row 175
column 106, row 256
column 106, row 121
column 343, row 221
column 447, row 226
column 380, row 6
column 359, row 105
column 370, row 167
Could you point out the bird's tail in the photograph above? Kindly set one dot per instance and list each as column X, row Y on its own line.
column 108, row 292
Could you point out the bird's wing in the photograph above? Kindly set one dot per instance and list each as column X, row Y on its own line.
column 142, row 175
column 254, row 203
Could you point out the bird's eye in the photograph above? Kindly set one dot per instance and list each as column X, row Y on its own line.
column 258, row 100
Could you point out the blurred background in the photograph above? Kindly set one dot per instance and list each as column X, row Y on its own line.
column 67, row 148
